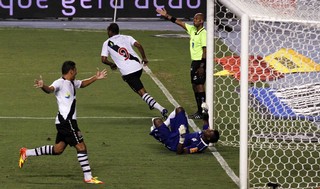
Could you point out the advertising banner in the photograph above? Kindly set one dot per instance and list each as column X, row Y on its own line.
column 98, row 8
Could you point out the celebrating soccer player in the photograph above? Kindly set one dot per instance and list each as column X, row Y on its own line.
column 120, row 48
column 69, row 133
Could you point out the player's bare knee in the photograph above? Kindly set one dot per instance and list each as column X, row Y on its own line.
column 179, row 109
column 81, row 147
column 57, row 151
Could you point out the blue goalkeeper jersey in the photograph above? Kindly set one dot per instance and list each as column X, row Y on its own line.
column 194, row 143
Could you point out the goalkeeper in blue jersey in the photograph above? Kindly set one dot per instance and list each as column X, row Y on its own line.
column 175, row 135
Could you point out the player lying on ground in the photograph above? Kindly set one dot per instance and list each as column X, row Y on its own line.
column 174, row 133
column 69, row 133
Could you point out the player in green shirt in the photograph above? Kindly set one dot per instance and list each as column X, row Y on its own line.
column 198, row 42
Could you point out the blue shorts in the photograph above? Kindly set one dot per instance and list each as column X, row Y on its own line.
column 179, row 119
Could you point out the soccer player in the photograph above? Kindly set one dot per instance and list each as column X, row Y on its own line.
column 175, row 136
column 198, row 42
column 120, row 49
column 69, row 133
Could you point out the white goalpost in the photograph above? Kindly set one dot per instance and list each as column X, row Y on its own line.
column 265, row 93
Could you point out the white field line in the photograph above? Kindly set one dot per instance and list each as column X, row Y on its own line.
column 213, row 150
column 225, row 165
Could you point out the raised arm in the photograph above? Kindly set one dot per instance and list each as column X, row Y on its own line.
column 99, row 75
column 38, row 83
column 173, row 19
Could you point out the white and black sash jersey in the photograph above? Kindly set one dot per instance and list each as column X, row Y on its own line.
column 65, row 92
column 120, row 48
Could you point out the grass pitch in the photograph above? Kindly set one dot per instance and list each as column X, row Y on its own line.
column 115, row 122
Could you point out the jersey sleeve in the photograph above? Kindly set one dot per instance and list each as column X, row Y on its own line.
column 56, row 85
column 189, row 28
column 104, row 51
column 205, row 127
column 77, row 83
column 194, row 144
column 131, row 40
column 196, row 148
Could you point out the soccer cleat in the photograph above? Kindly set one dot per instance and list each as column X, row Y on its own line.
column 93, row 180
column 196, row 115
column 164, row 113
column 23, row 157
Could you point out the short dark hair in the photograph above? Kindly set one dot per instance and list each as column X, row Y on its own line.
column 67, row 66
column 215, row 136
column 114, row 28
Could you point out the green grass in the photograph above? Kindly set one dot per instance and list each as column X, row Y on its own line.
column 121, row 152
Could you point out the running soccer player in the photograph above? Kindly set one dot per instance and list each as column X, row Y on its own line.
column 198, row 52
column 120, row 49
column 69, row 133
column 175, row 136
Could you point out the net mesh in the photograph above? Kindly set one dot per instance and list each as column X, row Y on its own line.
column 284, row 83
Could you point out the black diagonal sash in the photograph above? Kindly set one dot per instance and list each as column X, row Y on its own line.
column 72, row 109
column 116, row 48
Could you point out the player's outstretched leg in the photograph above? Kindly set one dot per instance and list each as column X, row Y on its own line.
column 154, row 104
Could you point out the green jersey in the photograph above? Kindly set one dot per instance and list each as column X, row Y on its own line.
column 198, row 40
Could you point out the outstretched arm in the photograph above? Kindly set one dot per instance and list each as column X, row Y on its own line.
column 38, row 83
column 173, row 19
column 99, row 75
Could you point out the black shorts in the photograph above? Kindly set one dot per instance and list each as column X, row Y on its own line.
column 195, row 79
column 69, row 132
column 134, row 81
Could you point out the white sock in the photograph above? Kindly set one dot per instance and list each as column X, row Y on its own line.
column 84, row 163
column 43, row 150
column 152, row 102
column 171, row 115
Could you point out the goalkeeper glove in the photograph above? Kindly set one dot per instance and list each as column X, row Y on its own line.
column 182, row 132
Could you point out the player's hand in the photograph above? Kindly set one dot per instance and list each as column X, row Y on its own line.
column 113, row 66
column 162, row 12
column 38, row 83
column 101, row 74
column 201, row 72
column 144, row 61
column 182, row 130
column 204, row 107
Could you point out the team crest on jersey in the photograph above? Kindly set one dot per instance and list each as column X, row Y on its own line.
column 67, row 95
column 194, row 139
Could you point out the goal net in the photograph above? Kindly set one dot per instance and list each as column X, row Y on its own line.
column 283, row 87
